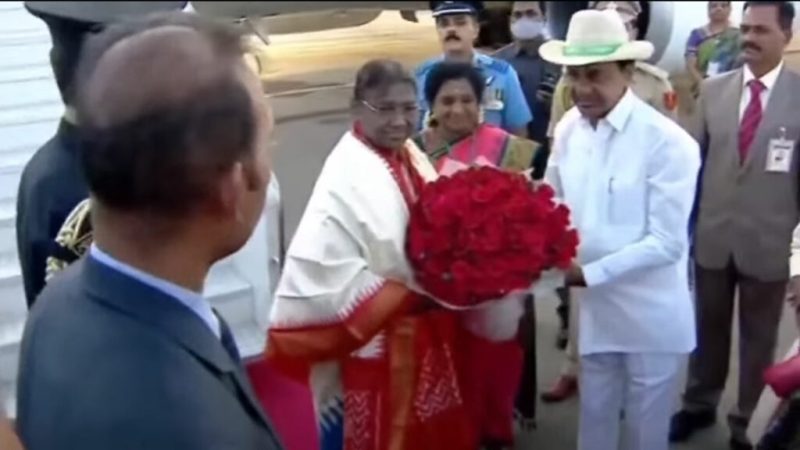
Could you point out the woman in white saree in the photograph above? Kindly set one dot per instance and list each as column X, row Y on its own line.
column 382, row 359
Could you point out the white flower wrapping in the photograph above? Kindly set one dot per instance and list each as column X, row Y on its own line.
column 498, row 320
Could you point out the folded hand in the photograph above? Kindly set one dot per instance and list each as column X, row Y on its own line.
column 574, row 277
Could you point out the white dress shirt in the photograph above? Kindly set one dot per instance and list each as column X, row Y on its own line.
column 630, row 184
column 794, row 259
column 768, row 80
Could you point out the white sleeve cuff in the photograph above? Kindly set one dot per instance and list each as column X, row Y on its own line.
column 794, row 265
column 594, row 274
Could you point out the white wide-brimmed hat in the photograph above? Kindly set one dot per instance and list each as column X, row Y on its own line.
column 595, row 37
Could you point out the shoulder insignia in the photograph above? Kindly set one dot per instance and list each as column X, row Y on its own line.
column 493, row 64
column 423, row 68
column 72, row 241
column 653, row 70
column 670, row 100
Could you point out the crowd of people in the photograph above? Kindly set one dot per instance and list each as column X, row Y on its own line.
column 122, row 351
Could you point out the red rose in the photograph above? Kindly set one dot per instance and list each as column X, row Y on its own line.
column 482, row 233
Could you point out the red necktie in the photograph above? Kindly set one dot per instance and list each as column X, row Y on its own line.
column 752, row 117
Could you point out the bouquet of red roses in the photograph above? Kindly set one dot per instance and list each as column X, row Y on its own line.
column 484, row 233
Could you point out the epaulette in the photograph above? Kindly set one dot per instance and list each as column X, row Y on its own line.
column 493, row 64
column 653, row 70
column 423, row 68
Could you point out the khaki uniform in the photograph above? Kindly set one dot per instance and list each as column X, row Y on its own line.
column 650, row 84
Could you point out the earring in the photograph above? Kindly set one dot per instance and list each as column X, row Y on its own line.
column 429, row 120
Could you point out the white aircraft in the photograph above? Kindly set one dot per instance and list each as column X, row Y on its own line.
column 666, row 24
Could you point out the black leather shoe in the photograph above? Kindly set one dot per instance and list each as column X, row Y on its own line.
column 685, row 424
column 562, row 339
column 739, row 445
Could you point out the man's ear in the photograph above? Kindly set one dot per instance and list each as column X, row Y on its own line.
column 253, row 177
column 476, row 24
column 629, row 69
column 230, row 186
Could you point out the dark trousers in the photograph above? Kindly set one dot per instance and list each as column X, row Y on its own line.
column 760, row 307
column 526, row 394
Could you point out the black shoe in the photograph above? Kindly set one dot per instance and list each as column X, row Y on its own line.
column 685, row 424
column 739, row 445
column 562, row 339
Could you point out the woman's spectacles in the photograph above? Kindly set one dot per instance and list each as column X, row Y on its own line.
column 389, row 111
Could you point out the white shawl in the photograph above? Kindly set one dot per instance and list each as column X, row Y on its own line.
column 353, row 228
column 351, row 238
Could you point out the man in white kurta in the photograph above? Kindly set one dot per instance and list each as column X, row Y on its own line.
column 628, row 175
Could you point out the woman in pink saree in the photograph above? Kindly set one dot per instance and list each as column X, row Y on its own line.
column 455, row 139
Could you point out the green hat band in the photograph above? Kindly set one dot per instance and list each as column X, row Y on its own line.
column 590, row 49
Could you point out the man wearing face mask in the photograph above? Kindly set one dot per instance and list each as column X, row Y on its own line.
column 504, row 103
column 650, row 83
column 537, row 76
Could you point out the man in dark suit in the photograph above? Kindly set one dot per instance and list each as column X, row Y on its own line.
column 748, row 127
column 51, row 184
column 121, row 350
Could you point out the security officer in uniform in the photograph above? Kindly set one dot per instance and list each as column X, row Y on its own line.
column 650, row 83
column 52, row 184
column 504, row 103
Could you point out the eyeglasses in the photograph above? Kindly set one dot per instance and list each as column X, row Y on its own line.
column 389, row 111
column 529, row 13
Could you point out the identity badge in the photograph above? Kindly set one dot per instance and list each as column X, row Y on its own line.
column 780, row 152
column 713, row 69
column 493, row 99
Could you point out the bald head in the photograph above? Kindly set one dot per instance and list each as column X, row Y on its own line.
column 165, row 105
column 156, row 69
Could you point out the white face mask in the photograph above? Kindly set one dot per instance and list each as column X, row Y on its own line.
column 526, row 29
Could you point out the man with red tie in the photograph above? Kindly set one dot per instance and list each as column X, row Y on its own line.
column 748, row 127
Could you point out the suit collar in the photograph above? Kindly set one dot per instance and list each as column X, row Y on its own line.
column 778, row 108
column 769, row 79
column 775, row 116
column 194, row 301
column 157, row 310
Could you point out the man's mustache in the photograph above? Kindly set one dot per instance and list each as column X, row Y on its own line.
column 452, row 37
column 751, row 46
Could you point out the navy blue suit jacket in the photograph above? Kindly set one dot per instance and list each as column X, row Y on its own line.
column 108, row 362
